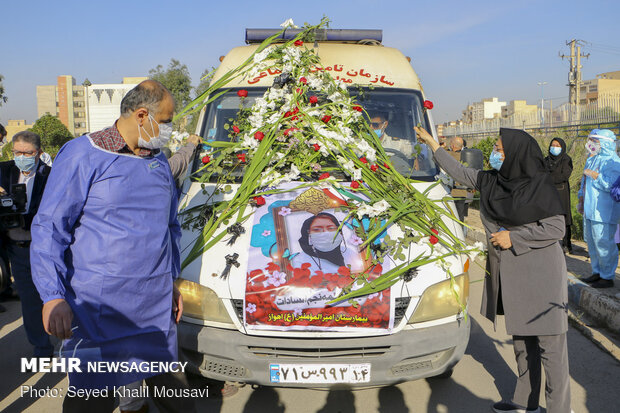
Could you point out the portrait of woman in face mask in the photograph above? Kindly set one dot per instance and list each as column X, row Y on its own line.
column 322, row 245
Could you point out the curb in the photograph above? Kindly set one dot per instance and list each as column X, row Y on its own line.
column 601, row 308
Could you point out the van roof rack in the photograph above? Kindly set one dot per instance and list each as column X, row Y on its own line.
column 363, row 36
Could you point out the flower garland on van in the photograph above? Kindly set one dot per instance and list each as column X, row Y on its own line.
column 308, row 128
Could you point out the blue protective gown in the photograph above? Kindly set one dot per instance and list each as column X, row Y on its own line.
column 106, row 239
column 601, row 212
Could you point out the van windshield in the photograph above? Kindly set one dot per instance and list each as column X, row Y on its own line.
column 392, row 114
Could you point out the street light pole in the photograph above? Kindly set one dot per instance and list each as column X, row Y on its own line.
column 542, row 102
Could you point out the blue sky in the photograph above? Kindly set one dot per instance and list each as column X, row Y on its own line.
column 463, row 51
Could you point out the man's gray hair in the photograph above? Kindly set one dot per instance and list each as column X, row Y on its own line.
column 28, row 137
column 148, row 94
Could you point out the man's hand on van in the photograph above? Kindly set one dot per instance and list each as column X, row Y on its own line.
column 426, row 138
column 194, row 139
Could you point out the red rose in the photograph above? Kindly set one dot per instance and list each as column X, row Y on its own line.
column 241, row 157
column 374, row 168
column 289, row 131
column 326, row 118
column 288, row 114
column 428, row 104
column 386, row 165
column 316, row 147
column 299, row 43
column 260, row 201
column 355, row 184
column 236, row 129
column 242, row 93
column 303, row 80
column 296, row 110
column 299, row 91
column 357, row 108
column 324, row 175
column 259, row 136
column 294, row 118
column 433, row 239
column 206, row 159
column 314, row 100
column 363, row 160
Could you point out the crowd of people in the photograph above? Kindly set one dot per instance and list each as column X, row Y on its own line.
column 99, row 239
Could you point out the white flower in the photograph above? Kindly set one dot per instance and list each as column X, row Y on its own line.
column 293, row 174
column 259, row 57
column 288, row 23
column 284, row 211
column 314, row 82
column 251, row 308
column 373, row 210
column 476, row 250
column 249, row 141
column 357, row 174
column 266, row 233
column 277, row 278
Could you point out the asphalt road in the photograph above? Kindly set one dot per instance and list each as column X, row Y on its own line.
column 486, row 374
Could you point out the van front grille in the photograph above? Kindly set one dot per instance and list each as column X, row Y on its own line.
column 318, row 353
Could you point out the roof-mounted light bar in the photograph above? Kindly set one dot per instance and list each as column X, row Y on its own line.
column 322, row 35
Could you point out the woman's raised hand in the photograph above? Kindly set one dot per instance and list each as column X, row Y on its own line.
column 426, row 138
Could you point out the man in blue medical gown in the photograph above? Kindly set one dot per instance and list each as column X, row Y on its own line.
column 105, row 250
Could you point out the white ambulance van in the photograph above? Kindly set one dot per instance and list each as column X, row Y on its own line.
column 429, row 332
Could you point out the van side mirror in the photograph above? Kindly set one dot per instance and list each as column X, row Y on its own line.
column 473, row 158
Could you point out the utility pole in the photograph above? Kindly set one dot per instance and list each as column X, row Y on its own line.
column 574, row 77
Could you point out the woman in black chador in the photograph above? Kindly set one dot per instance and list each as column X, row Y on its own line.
column 560, row 166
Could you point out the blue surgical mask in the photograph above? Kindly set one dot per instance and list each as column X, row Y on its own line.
column 25, row 163
column 496, row 160
column 379, row 132
column 555, row 150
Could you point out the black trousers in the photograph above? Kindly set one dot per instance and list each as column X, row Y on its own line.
column 164, row 404
column 566, row 241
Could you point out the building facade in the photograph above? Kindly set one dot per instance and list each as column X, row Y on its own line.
column 83, row 108
column 15, row 125
column 604, row 84
column 488, row 108
column 518, row 107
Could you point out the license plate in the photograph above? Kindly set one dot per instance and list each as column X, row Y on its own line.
column 319, row 373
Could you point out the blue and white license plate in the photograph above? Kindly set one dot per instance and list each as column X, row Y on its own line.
column 319, row 373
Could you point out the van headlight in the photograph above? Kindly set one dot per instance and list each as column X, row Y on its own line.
column 202, row 302
column 439, row 300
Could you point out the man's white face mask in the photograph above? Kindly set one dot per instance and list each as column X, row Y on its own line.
column 155, row 142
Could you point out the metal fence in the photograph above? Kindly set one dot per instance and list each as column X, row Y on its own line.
column 604, row 111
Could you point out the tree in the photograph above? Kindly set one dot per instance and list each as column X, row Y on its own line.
column 205, row 81
column 3, row 98
column 53, row 133
column 177, row 80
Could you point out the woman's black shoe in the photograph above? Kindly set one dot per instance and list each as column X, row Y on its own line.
column 603, row 283
column 591, row 279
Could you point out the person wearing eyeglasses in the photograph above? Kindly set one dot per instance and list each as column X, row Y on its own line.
column 26, row 168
